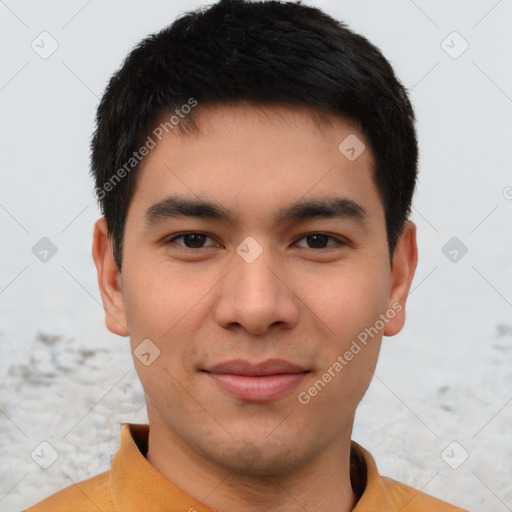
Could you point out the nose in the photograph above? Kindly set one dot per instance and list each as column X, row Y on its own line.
column 256, row 296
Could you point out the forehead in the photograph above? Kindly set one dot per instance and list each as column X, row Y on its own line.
column 251, row 157
column 210, row 119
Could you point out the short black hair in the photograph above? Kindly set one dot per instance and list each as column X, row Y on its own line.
column 264, row 53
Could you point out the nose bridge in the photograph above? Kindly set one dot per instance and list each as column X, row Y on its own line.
column 254, row 278
column 252, row 295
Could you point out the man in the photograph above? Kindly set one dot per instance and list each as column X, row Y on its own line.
column 255, row 164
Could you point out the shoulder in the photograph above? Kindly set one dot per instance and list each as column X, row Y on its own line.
column 88, row 495
column 409, row 499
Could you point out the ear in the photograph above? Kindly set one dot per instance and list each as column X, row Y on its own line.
column 109, row 280
column 403, row 267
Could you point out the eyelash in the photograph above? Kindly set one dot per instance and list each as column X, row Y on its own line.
column 339, row 241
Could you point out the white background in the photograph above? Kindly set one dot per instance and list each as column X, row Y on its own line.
column 447, row 377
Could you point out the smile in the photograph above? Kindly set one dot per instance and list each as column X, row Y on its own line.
column 259, row 382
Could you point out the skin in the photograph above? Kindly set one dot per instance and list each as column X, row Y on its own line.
column 297, row 301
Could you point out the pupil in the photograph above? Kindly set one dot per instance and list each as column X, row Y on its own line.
column 316, row 239
column 194, row 238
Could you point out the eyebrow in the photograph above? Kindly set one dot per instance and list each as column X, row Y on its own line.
column 328, row 207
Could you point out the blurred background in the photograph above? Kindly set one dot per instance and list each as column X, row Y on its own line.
column 438, row 413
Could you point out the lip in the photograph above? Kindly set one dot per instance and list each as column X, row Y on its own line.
column 268, row 367
column 260, row 382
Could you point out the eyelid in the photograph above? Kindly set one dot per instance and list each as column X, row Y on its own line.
column 184, row 233
column 340, row 241
column 337, row 238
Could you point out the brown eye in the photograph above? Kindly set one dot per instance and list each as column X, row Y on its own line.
column 319, row 241
column 191, row 240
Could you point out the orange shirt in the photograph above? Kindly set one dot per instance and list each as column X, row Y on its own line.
column 134, row 485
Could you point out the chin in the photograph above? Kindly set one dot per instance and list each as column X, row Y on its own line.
column 258, row 460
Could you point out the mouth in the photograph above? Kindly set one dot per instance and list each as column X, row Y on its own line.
column 260, row 382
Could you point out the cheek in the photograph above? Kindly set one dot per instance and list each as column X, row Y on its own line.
column 158, row 300
column 167, row 306
column 340, row 391
column 347, row 301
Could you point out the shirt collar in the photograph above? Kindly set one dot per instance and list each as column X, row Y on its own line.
column 135, row 482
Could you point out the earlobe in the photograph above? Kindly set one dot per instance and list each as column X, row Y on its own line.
column 109, row 280
column 405, row 260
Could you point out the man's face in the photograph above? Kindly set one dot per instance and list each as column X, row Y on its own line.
column 254, row 287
